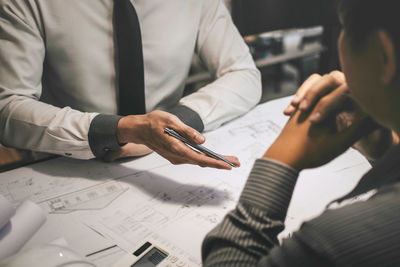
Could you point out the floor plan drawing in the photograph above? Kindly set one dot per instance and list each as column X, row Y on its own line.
column 98, row 205
column 95, row 197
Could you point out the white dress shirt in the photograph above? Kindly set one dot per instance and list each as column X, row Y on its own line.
column 57, row 67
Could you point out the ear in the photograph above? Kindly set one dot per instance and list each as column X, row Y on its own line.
column 389, row 57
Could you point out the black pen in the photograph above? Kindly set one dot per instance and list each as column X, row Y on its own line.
column 195, row 146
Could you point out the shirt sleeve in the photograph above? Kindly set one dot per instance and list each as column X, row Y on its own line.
column 237, row 87
column 25, row 121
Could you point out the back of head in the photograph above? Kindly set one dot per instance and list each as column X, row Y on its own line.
column 371, row 30
column 360, row 18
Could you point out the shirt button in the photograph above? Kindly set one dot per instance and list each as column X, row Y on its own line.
column 106, row 149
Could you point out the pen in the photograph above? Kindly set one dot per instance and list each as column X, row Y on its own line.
column 195, row 146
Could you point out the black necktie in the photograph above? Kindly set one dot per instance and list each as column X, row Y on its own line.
column 130, row 59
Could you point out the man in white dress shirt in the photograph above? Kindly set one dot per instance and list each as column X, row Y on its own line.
column 58, row 80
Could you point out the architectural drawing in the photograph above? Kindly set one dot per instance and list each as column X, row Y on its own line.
column 126, row 202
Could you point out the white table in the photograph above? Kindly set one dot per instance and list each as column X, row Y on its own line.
column 95, row 206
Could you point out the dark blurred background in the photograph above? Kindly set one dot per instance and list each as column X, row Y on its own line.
column 289, row 40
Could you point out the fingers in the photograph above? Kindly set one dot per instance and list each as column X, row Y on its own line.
column 171, row 148
column 338, row 75
column 179, row 153
column 329, row 104
column 190, row 133
column 313, row 89
column 321, row 88
column 206, row 161
column 306, row 86
column 233, row 160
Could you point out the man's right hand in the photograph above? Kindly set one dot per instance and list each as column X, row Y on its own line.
column 329, row 94
column 148, row 130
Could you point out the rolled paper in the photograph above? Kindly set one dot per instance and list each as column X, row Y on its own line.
column 27, row 219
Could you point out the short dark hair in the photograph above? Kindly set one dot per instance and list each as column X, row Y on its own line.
column 363, row 17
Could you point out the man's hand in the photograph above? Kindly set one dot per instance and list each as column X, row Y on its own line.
column 303, row 144
column 148, row 130
column 331, row 93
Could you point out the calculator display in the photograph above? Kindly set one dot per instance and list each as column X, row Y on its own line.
column 151, row 258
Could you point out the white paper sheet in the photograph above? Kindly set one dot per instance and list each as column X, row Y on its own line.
column 26, row 221
column 177, row 205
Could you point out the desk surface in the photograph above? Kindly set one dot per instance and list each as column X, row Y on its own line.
column 95, row 205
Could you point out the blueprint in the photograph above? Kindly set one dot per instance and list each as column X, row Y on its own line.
column 180, row 204
column 124, row 203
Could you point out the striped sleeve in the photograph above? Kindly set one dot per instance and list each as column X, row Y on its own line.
column 261, row 209
column 270, row 187
column 361, row 234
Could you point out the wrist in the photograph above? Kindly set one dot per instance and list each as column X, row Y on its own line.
column 130, row 128
column 283, row 155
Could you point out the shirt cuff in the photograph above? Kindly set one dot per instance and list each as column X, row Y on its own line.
column 103, row 134
column 270, row 187
column 188, row 117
